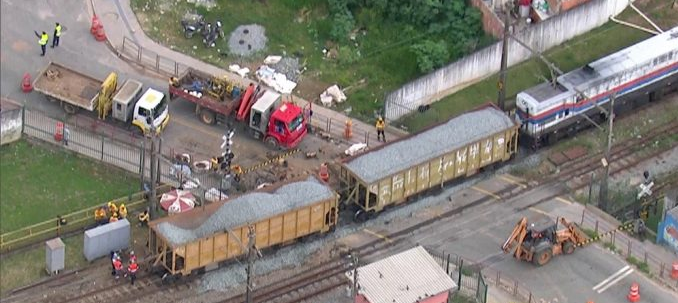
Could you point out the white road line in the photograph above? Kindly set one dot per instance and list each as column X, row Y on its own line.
column 613, row 279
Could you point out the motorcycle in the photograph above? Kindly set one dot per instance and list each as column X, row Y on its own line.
column 193, row 24
column 211, row 35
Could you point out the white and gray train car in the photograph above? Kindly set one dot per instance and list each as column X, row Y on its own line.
column 636, row 75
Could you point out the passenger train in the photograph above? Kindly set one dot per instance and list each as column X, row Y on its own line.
column 638, row 74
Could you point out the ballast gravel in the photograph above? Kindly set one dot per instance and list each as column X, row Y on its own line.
column 250, row 208
column 246, row 40
column 435, row 142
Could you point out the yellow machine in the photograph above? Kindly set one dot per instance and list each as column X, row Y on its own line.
column 538, row 243
column 108, row 88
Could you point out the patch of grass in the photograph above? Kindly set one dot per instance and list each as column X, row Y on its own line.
column 655, row 216
column 301, row 27
column 38, row 183
column 590, row 232
column 462, row 298
column 28, row 267
column 610, row 246
column 642, row 266
column 572, row 54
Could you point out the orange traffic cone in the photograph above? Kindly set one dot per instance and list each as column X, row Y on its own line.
column 674, row 270
column 26, row 85
column 634, row 293
column 324, row 173
column 96, row 24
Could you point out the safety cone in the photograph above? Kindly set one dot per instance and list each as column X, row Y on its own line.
column 348, row 132
column 96, row 24
column 26, row 85
column 634, row 293
column 674, row 270
column 324, row 173
column 100, row 35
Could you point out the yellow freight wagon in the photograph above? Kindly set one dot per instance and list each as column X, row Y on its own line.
column 402, row 169
column 218, row 232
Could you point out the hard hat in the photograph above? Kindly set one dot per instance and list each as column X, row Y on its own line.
column 380, row 118
column 131, row 252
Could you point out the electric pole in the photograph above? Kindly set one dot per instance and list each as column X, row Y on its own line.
column 354, row 263
column 504, row 60
column 153, row 205
column 606, row 160
column 251, row 257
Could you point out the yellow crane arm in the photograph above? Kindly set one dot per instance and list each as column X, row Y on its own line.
column 105, row 99
column 517, row 235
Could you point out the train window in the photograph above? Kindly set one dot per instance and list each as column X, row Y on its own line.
column 567, row 112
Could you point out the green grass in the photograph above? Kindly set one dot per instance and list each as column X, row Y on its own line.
column 302, row 27
column 590, row 232
column 642, row 266
column 653, row 219
column 583, row 49
column 462, row 298
column 38, row 183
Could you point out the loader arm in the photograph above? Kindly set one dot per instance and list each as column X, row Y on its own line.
column 576, row 236
column 518, row 236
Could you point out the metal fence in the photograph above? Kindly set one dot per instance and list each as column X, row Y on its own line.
column 150, row 59
column 468, row 275
column 631, row 249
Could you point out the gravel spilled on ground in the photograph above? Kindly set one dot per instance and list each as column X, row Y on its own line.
column 246, row 40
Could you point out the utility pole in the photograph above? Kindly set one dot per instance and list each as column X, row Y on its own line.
column 153, row 205
column 504, row 60
column 606, row 161
column 354, row 263
column 251, row 257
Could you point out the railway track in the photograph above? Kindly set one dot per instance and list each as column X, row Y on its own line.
column 331, row 275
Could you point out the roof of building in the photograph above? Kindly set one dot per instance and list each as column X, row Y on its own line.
column 424, row 146
column 245, row 209
column 407, row 277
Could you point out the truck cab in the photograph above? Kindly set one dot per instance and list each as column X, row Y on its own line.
column 280, row 124
column 151, row 110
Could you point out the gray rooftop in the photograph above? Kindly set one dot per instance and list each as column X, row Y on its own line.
column 437, row 141
column 250, row 208
column 545, row 91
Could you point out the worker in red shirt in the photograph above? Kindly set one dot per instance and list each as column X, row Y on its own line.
column 117, row 264
column 132, row 270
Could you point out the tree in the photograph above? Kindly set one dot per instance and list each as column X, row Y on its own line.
column 430, row 54
column 342, row 25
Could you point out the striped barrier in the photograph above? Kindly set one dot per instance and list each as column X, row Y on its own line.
column 623, row 227
column 269, row 161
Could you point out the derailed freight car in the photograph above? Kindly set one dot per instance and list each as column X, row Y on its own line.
column 403, row 168
column 219, row 232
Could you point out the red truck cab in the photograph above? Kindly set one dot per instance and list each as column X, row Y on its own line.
column 278, row 123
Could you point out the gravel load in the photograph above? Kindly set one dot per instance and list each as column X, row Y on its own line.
column 435, row 142
column 250, row 208
column 288, row 67
column 246, row 40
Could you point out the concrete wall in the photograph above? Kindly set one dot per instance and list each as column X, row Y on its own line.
column 11, row 120
column 100, row 241
column 485, row 62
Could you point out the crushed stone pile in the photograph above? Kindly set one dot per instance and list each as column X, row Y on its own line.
column 246, row 40
column 250, row 208
column 437, row 141
column 288, row 67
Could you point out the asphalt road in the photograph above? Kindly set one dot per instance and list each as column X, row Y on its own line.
column 591, row 273
column 19, row 54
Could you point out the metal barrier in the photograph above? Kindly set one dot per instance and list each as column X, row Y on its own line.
column 327, row 125
column 74, row 221
column 144, row 57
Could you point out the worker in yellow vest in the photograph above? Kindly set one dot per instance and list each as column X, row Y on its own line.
column 44, row 38
column 380, row 129
column 57, row 35
column 122, row 211
column 112, row 208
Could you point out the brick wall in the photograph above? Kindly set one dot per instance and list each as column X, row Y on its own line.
column 491, row 23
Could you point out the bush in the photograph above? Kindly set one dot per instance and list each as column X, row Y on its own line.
column 342, row 25
column 348, row 55
column 430, row 55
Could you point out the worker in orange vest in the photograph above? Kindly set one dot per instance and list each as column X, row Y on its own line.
column 112, row 208
column 117, row 265
column 132, row 270
column 100, row 216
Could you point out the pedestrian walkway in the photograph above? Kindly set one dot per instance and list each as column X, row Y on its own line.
column 120, row 21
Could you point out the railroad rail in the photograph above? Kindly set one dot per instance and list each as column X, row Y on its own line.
column 331, row 275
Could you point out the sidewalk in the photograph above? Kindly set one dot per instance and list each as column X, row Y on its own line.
column 120, row 21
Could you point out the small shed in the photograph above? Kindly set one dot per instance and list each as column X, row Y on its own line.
column 408, row 277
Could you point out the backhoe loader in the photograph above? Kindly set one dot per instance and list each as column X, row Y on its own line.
column 538, row 243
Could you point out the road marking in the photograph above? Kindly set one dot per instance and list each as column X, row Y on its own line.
column 510, row 180
column 493, row 195
column 378, row 235
column 568, row 202
column 613, row 279
column 540, row 211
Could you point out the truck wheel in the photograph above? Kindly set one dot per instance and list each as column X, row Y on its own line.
column 542, row 257
column 70, row 109
column 568, row 247
column 272, row 142
column 207, row 116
